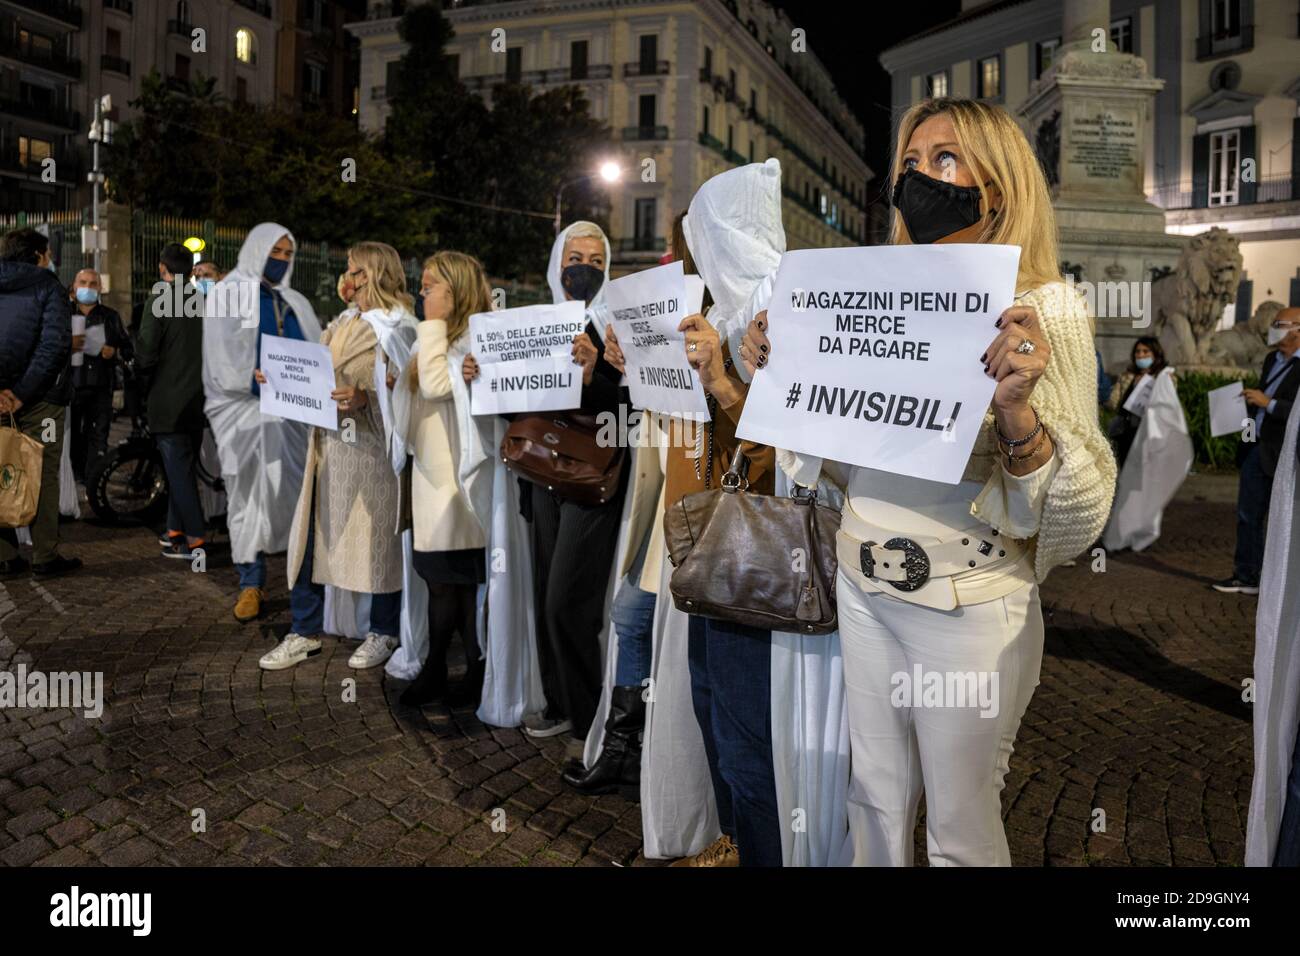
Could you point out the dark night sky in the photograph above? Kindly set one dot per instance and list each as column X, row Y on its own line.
column 848, row 38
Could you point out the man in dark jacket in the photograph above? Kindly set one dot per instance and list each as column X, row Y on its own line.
column 169, row 346
column 1270, row 404
column 35, row 346
column 95, row 378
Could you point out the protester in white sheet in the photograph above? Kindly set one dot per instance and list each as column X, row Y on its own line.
column 1131, row 392
column 344, row 530
column 727, row 732
column 261, row 457
column 448, row 523
column 552, row 684
column 1273, row 824
column 1035, row 492
column 1158, row 459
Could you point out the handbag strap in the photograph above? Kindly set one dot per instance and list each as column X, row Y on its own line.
column 737, row 474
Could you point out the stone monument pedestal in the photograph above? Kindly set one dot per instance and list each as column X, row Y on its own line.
column 1088, row 118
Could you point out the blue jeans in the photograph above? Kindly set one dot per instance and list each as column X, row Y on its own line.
column 1288, row 835
column 633, row 614
column 179, row 451
column 1253, row 491
column 731, row 690
column 307, row 598
column 252, row 574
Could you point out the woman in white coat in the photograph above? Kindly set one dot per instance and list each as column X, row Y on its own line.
column 261, row 458
column 1036, row 492
column 344, row 528
column 449, row 537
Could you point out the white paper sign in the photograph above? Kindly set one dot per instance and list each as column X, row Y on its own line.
column 299, row 379
column 525, row 359
column 1140, row 397
column 646, row 308
column 1227, row 409
column 96, row 339
column 876, row 355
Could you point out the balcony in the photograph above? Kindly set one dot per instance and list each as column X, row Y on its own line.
column 180, row 28
column 116, row 64
column 644, row 132
column 1183, row 194
column 121, row 6
column 557, row 75
column 641, row 244
column 53, row 115
column 647, row 68
column 260, row 7
column 713, row 143
column 69, row 11
column 46, row 59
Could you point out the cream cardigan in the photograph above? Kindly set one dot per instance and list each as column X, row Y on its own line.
column 1077, row 499
column 441, row 519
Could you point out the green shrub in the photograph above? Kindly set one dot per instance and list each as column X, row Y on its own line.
column 1209, row 452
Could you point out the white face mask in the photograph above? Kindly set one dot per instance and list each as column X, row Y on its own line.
column 1276, row 335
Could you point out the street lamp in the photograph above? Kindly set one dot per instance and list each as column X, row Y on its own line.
column 609, row 171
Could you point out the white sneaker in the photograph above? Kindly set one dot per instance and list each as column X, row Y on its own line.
column 537, row 725
column 294, row 649
column 374, row 650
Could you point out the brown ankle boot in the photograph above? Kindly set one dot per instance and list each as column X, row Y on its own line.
column 721, row 852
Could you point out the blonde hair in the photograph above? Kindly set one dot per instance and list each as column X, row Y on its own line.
column 386, row 288
column 470, row 292
column 585, row 230
column 1000, row 158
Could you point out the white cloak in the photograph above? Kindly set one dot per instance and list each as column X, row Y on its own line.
column 1157, row 464
column 1277, row 659
column 262, row 457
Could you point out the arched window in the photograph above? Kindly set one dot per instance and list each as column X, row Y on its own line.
column 245, row 46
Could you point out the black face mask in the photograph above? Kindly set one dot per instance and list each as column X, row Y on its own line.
column 582, row 281
column 932, row 209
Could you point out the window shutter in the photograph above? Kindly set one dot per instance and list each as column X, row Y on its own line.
column 1295, row 158
column 1244, row 290
column 1247, row 191
column 1200, row 171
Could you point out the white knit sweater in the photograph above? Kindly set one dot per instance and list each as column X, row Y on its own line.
column 1078, row 499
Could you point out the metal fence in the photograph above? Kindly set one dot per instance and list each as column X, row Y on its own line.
column 316, row 265
column 64, row 230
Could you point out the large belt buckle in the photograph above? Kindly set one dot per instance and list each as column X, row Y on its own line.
column 916, row 563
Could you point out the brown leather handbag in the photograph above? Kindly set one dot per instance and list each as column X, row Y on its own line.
column 762, row 560
column 560, row 452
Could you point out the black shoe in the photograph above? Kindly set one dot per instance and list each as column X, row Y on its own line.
column 470, row 689
column 167, row 539
column 618, row 769
column 1235, row 585
column 60, row 565
column 13, row 568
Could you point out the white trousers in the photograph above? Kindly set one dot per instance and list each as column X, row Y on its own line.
column 903, row 742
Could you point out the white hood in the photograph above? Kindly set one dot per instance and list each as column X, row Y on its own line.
column 596, row 310
column 232, row 314
column 733, row 229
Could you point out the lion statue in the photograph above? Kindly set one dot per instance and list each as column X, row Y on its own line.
column 1189, row 302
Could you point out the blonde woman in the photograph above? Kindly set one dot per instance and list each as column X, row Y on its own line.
column 449, row 538
column 344, row 528
column 1036, row 492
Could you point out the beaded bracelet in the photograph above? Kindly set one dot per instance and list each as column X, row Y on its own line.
column 1013, row 459
column 1017, row 442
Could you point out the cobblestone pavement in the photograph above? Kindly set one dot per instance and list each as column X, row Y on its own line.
column 1139, row 715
